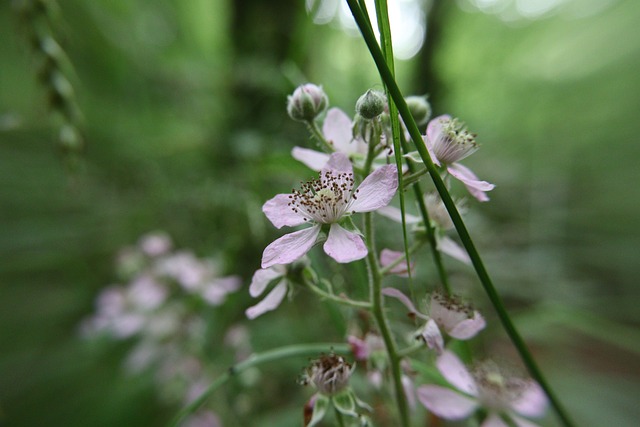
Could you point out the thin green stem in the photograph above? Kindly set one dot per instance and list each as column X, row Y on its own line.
column 375, row 288
column 256, row 360
column 494, row 297
column 337, row 298
column 321, row 140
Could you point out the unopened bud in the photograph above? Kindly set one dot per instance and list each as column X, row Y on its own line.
column 371, row 104
column 307, row 102
column 420, row 109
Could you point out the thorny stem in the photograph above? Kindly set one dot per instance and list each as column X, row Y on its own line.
column 482, row 273
column 256, row 360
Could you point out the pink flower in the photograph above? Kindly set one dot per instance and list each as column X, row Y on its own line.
column 448, row 142
column 485, row 386
column 337, row 130
column 259, row 283
column 458, row 320
column 326, row 201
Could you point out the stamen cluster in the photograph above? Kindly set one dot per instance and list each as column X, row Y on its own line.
column 497, row 389
column 456, row 142
column 326, row 199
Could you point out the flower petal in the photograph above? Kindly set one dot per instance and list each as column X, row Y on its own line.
column 453, row 249
column 432, row 336
column 456, row 373
column 532, row 402
column 446, row 403
column 394, row 293
column 280, row 213
column 471, row 181
column 493, row 420
column 343, row 245
column 338, row 163
column 290, row 247
column 337, row 130
column 315, row 160
column 395, row 214
column 261, row 278
column 376, row 190
column 468, row 328
column 270, row 302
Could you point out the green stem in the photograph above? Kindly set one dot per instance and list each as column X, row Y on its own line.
column 375, row 288
column 255, row 360
column 322, row 142
column 494, row 297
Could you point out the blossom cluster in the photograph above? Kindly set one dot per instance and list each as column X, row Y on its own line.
column 159, row 309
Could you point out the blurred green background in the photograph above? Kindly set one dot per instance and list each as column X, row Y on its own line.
column 186, row 131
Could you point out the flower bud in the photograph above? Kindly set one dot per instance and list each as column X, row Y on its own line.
column 371, row 104
column 420, row 109
column 307, row 102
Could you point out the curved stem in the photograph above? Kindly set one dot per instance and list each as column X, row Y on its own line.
column 337, row 298
column 322, row 142
column 494, row 297
column 255, row 360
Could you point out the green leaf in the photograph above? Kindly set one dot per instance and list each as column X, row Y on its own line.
column 320, row 407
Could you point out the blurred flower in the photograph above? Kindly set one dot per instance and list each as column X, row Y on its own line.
column 337, row 130
column 484, row 386
column 440, row 220
column 458, row 320
column 448, row 142
column 388, row 257
column 155, row 244
column 327, row 200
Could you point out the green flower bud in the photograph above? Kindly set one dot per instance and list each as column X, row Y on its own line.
column 420, row 109
column 371, row 104
column 307, row 102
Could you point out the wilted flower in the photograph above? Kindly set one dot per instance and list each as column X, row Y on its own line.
column 327, row 201
column 485, row 386
column 448, row 142
column 329, row 374
column 307, row 102
column 457, row 319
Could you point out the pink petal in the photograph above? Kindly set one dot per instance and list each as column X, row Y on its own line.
column 429, row 146
column 468, row 328
column 338, row 163
column 456, row 373
column 376, row 190
column 395, row 214
column 532, row 403
column 521, row 422
column 280, row 213
column 315, row 160
column 359, row 348
column 387, row 257
column 493, row 420
column 434, row 128
column 471, row 181
column 432, row 336
column 270, row 302
column 453, row 249
column 394, row 293
column 290, row 247
column 337, row 130
column 446, row 403
column 261, row 278
column 343, row 245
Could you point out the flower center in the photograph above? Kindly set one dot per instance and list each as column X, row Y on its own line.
column 455, row 142
column 497, row 390
column 324, row 200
